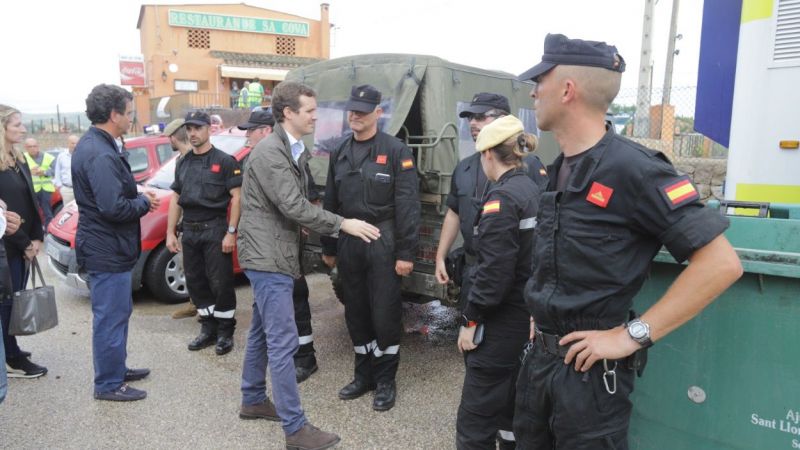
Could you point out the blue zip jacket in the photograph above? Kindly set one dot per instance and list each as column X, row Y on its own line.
column 108, row 238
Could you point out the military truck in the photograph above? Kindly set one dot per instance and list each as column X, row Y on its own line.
column 422, row 97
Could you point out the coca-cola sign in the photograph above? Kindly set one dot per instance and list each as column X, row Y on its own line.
column 131, row 71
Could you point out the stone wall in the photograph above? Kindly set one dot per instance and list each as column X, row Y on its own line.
column 708, row 175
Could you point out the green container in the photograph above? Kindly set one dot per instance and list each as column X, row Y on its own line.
column 730, row 378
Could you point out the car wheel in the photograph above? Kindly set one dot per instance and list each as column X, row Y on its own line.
column 164, row 276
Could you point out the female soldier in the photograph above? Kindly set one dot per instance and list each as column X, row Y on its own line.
column 496, row 323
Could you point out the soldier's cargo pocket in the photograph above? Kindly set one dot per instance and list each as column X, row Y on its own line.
column 380, row 188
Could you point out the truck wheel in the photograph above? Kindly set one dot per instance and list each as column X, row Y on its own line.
column 164, row 276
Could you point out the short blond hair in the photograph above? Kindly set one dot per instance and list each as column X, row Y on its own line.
column 597, row 86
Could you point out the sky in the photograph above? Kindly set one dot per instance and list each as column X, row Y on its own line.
column 58, row 50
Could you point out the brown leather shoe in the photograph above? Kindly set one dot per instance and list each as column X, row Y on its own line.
column 311, row 438
column 264, row 410
column 187, row 311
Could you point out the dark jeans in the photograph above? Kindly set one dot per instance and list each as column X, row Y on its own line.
column 272, row 341
column 19, row 278
column 44, row 202
column 112, row 305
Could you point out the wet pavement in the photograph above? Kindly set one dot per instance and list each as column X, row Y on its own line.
column 193, row 397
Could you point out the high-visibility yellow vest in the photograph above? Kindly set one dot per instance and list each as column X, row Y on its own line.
column 41, row 182
column 243, row 102
column 256, row 92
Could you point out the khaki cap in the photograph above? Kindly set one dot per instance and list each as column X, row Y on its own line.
column 172, row 127
column 498, row 132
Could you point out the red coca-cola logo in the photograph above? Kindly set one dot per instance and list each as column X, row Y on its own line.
column 131, row 73
column 134, row 71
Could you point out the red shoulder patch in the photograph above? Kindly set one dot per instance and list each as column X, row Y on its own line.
column 600, row 194
column 215, row 168
column 381, row 159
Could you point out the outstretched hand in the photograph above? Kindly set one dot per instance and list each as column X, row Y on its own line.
column 361, row 229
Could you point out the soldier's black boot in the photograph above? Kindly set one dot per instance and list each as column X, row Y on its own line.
column 207, row 336
column 305, row 362
column 225, row 328
column 385, row 396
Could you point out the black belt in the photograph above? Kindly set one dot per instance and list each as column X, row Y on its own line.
column 550, row 343
column 204, row 225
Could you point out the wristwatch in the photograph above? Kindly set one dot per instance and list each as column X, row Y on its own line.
column 639, row 331
column 231, row 229
column 468, row 323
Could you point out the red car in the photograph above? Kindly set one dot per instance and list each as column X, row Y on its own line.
column 157, row 268
column 146, row 154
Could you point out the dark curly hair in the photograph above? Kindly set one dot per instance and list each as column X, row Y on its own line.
column 103, row 99
column 288, row 93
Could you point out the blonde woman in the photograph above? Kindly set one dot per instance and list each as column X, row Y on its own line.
column 16, row 188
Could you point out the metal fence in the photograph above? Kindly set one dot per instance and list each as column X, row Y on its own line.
column 666, row 126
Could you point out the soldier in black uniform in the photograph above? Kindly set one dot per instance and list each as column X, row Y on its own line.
column 468, row 186
column 207, row 181
column 495, row 308
column 372, row 176
column 608, row 209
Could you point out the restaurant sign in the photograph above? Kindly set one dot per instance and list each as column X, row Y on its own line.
column 210, row 21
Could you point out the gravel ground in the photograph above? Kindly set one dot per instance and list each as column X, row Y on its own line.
column 193, row 397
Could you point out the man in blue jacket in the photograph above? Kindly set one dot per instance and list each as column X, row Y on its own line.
column 108, row 238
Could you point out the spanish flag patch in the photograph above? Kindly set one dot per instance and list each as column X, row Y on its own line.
column 679, row 192
column 408, row 164
column 543, row 172
column 491, row 207
column 600, row 194
column 237, row 172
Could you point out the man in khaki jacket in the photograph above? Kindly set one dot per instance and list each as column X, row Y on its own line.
column 274, row 208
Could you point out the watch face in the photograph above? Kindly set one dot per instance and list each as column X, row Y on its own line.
column 637, row 330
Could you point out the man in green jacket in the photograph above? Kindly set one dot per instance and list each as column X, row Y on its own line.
column 275, row 206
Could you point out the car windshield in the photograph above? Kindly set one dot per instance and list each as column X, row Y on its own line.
column 166, row 174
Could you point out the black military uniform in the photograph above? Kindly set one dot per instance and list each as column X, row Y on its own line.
column 203, row 182
column 375, row 181
column 594, row 244
column 468, row 186
column 504, row 243
column 605, row 214
column 305, row 360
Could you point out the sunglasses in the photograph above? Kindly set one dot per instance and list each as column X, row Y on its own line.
column 481, row 117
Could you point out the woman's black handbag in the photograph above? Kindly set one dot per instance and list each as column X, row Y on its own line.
column 33, row 310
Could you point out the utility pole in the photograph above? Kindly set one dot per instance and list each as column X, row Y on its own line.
column 641, row 127
column 673, row 29
column 58, row 118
